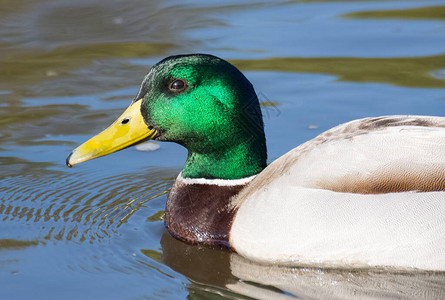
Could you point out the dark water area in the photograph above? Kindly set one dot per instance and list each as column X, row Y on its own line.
column 96, row 231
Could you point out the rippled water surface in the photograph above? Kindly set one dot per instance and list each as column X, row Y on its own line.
column 68, row 68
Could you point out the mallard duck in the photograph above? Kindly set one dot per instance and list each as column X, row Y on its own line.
column 370, row 192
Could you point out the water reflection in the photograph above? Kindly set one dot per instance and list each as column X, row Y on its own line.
column 52, row 40
column 221, row 272
column 16, row 244
column 78, row 208
column 407, row 71
column 429, row 13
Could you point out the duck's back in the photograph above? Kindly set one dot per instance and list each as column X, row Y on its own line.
column 368, row 192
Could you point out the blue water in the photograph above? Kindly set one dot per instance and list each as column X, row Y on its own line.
column 67, row 70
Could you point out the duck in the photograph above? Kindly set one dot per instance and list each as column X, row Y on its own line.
column 364, row 194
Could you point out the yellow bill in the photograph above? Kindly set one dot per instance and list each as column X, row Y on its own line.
column 127, row 130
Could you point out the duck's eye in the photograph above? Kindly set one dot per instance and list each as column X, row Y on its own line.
column 177, row 85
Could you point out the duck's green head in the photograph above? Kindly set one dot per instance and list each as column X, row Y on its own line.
column 199, row 101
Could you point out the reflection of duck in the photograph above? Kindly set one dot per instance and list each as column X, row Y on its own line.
column 370, row 192
column 223, row 272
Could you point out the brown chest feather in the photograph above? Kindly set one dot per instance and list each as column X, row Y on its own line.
column 201, row 213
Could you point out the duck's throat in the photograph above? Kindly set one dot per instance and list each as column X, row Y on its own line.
column 236, row 162
column 201, row 211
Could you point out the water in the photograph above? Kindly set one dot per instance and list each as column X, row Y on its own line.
column 67, row 69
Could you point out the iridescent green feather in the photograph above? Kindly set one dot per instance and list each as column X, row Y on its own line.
column 217, row 117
